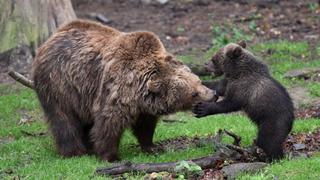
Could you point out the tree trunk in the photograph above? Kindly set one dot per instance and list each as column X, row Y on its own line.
column 30, row 22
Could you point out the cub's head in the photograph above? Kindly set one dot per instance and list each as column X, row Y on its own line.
column 175, row 88
column 230, row 53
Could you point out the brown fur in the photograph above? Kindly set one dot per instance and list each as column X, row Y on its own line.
column 94, row 81
column 248, row 86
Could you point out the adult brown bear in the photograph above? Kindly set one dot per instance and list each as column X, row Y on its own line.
column 94, row 81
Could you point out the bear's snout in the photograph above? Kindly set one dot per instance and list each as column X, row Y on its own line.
column 208, row 95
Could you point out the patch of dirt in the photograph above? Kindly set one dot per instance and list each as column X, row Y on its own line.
column 306, row 142
column 181, row 143
column 309, row 112
column 184, row 142
column 187, row 25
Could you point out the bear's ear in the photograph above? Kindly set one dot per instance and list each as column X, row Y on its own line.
column 234, row 52
column 154, row 86
column 147, row 43
column 242, row 43
column 169, row 59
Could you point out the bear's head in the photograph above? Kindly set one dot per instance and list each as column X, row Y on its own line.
column 173, row 87
column 229, row 55
column 166, row 84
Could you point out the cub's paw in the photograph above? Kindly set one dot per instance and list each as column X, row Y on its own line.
column 201, row 109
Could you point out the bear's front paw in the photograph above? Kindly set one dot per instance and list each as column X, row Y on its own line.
column 201, row 109
column 110, row 157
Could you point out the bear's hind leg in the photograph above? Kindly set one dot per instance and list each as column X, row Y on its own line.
column 67, row 132
column 144, row 129
column 271, row 137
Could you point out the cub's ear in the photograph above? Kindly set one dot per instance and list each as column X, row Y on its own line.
column 154, row 86
column 242, row 43
column 234, row 52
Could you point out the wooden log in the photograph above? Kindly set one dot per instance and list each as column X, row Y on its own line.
column 204, row 162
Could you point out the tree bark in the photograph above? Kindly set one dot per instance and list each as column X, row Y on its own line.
column 31, row 22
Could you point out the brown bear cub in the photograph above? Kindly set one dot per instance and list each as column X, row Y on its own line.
column 247, row 85
column 94, row 81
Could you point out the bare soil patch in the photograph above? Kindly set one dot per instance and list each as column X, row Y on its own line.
column 187, row 25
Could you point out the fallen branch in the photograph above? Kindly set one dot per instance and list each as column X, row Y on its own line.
column 223, row 152
column 173, row 121
column 21, row 79
column 37, row 134
column 205, row 163
column 237, row 139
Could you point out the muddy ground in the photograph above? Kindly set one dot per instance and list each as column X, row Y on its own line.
column 190, row 26
column 187, row 25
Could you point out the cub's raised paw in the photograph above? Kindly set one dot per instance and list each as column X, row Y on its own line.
column 201, row 109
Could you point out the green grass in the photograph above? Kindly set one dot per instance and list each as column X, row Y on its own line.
column 35, row 158
column 294, row 169
column 286, row 56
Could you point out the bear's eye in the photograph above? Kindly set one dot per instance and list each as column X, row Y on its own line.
column 194, row 94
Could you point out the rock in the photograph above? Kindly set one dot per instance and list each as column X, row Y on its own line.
column 99, row 17
column 298, row 155
column 305, row 73
column 311, row 37
column 300, row 96
column 299, row 146
column 233, row 170
column 161, row 2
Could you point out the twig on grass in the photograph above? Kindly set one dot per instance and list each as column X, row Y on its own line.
column 237, row 139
